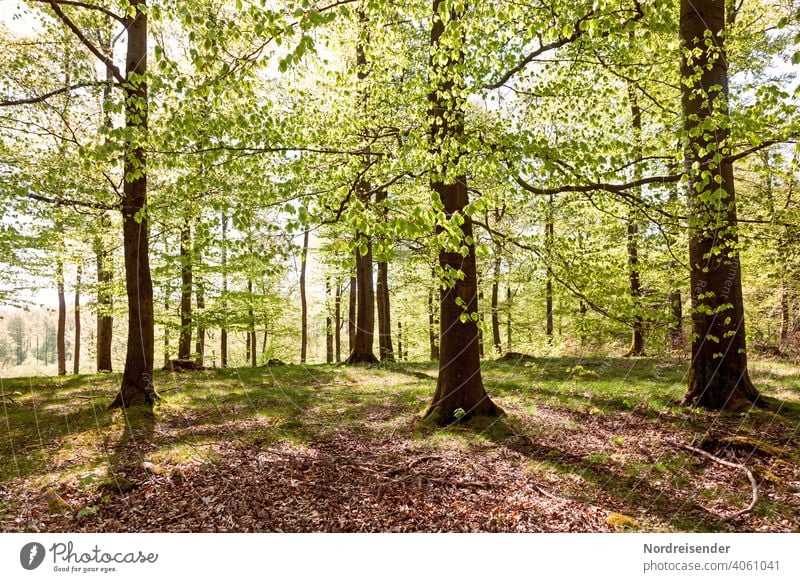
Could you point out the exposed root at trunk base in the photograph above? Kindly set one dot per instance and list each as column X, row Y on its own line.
column 362, row 358
column 134, row 396
column 448, row 415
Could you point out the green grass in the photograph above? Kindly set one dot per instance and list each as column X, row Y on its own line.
column 57, row 431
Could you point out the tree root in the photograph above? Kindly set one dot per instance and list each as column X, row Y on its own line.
column 739, row 466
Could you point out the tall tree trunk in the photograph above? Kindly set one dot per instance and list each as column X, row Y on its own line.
column 185, row 338
column 351, row 316
column 459, row 389
column 105, row 321
column 338, row 322
column 549, row 230
column 785, row 318
column 223, row 333
column 385, row 349
column 61, row 349
column 303, row 302
column 495, row 301
column 166, row 330
column 400, row 340
column 480, row 319
column 718, row 376
column 365, row 312
column 676, row 327
column 433, row 330
column 328, row 323
column 76, row 356
column 200, row 302
column 252, row 352
column 635, row 288
column 137, row 378
column 508, row 317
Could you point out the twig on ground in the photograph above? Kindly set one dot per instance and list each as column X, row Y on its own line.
column 739, row 466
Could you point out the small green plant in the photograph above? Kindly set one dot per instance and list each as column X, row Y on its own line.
column 458, row 413
column 88, row 511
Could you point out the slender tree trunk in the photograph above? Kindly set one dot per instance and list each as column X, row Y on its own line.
column 495, row 302
column 676, row 328
column 338, row 322
column 137, row 378
column 328, row 324
column 459, row 390
column 303, row 302
column 637, row 327
column 223, row 333
column 785, row 316
column 549, row 229
column 718, row 377
column 508, row 317
column 185, row 338
column 385, row 349
column 433, row 330
column 480, row 320
column 61, row 349
column 400, row 340
column 200, row 301
column 351, row 316
column 105, row 321
column 252, row 352
column 166, row 331
column 76, row 356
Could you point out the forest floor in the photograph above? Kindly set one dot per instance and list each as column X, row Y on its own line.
column 587, row 445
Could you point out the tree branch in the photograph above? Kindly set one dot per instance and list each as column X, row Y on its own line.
column 46, row 96
column 105, row 59
column 72, row 203
column 88, row 6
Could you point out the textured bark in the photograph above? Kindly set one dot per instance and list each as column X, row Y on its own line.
column 385, row 350
column 185, row 338
column 351, row 316
column 303, row 302
column 223, row 333
column 433, row 329
column 459, row 389
column 718, row 376
column 634, row 284
column 137, row 377
column 338, row 322
column 105, row 322
column 200, row 302
column 495, row 302
column 76, row 355
column 252, row 351
column 61, row 351
column 549, row 229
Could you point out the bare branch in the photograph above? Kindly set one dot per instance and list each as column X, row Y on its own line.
column 105, row 59
column 88, row 6
column 46, row 96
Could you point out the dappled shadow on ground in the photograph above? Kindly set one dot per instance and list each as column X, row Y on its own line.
column 322, row 448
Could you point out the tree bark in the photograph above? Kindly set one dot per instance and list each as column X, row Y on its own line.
column 496, row 342
column 351, row 316
column 61, row 350
column 200, row 302
column 223, row 333
column 328, row 324
column 76, row 356
column 252, row 352
column 718, row 376
column 459, row 389
column 676, row 328
column 338, row 322
column 400, row 340
column 549, row 230
column 433, row 331
column 185, row 339
column 105, row 321
column 137, row 377
column 635, row 288
column 385, row 349
column 303, row 302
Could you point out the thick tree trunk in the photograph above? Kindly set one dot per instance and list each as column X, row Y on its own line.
column 365, row 311
column 459, row 390
column 185, row 338
column 76, row 356
column 718, row 377
column 61, row 350
column 105, row 321
column 303, row 302
column 137, row 378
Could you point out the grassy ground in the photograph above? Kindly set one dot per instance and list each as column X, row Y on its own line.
column 587, row 445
